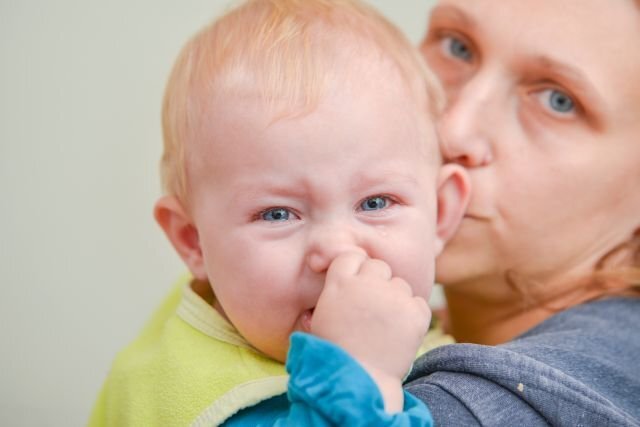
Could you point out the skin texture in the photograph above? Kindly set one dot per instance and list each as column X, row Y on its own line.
column 359, row 298
column 351, row 185
column 545, row 119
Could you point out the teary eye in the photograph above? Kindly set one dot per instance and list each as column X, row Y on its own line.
column 374, row 203
column 275, row 214
column 559, row 101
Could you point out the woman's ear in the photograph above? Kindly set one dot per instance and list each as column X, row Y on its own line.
column 454, row 189
column 181, row 232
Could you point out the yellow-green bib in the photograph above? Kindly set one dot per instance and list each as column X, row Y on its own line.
column 188, row 367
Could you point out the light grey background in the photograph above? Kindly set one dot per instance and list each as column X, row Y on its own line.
column 82, row 262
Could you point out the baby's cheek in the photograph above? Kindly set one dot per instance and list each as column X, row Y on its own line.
column 268, row 330
column 423, row 274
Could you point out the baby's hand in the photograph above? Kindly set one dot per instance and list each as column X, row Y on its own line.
column 374, row 317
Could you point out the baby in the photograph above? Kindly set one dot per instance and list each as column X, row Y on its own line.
column 300, row 162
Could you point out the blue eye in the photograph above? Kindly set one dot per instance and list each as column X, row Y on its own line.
column 561, row 102
column 374, row 203
column 456, row 48
column 275, row 215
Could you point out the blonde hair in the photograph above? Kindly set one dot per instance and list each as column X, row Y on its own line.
column 283, row 50
column 618, row 272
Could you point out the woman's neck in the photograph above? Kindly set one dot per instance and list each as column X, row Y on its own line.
column 476, row 316
column 482, row 321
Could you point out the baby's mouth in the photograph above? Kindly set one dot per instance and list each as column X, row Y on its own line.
column 305, row 320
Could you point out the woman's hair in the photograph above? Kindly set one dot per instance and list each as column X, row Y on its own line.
column 619, row 269
column 285, row 52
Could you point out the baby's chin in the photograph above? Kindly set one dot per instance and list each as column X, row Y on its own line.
column 275, row 352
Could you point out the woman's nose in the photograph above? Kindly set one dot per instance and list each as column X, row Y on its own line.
column 327, row 242
column 466, row 125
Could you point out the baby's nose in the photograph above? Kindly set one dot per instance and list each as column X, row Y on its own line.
column 329, row 242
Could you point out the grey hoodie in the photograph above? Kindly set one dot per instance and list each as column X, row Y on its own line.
column 581, row 367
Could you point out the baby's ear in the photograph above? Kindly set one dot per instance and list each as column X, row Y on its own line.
column 181, row 232
column 454, row 189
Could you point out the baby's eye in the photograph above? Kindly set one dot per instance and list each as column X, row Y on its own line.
column 374, row 203
column 453, row 46
column 557, row 101
column 276, row 215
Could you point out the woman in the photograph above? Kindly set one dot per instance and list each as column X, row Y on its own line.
column 544, row 112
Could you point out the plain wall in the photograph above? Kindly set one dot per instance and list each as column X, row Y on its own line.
column 82, row 262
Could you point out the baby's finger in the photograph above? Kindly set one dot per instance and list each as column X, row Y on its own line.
column 346, row 264
column 422, row 311
column 422, row 306
column 375, row 268
column 401, row 285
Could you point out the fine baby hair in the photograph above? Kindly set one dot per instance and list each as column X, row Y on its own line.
column 285, row 51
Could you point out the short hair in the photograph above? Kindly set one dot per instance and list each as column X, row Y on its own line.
column 282, row 49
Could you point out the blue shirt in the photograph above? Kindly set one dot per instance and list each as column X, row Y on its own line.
column 327, row 388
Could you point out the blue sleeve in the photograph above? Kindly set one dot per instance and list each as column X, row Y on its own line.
column 329, row 388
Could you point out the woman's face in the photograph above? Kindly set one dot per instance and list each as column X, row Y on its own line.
column 544, row 111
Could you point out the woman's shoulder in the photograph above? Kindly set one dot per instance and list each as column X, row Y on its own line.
column 578, row 367
column 621, row 313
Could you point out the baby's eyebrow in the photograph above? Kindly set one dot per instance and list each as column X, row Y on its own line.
column 381, row 178
column 250, row 191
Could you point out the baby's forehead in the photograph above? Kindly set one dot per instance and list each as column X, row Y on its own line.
column 377, row 108
column 294, row 75
column 243, row 98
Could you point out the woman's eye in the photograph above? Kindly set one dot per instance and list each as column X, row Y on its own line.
column 275, row 215
column 557, row 101
column 456, row 48
column 374, row 203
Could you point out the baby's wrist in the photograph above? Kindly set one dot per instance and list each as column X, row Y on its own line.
column 390, row 387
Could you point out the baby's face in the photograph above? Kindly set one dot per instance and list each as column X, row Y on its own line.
column 275, row 202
